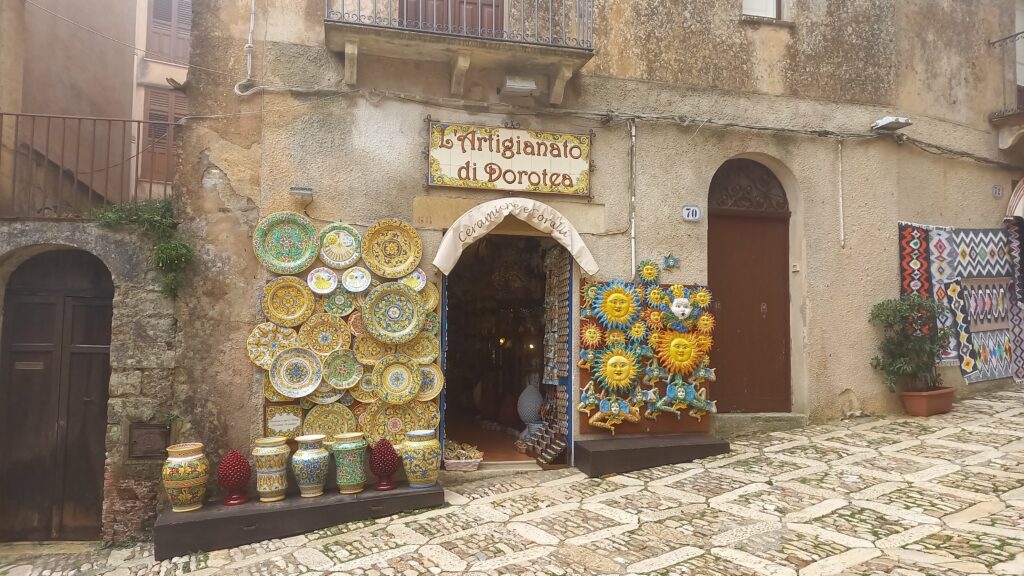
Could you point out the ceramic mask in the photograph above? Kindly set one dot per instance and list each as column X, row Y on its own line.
column 681, row 307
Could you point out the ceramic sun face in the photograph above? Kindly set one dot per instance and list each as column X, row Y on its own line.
column 706, row 323
column 615, row 337
column 678, row 352
column 638, row 331
column 701, row 297
column 616, row 305
column 648, row 272
column 591, row 334
column 616, row 370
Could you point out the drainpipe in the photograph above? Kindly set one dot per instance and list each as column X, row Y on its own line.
column 631, row 123
column 842, row 220
column 246, row 87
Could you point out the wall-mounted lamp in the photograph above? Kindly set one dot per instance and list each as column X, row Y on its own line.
column 303, row 192
column 890, row 123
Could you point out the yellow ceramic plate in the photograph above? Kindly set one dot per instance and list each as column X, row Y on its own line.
column 396, row 379
column 428, row 416
column 296, row 372
column 363, row 392
column 287, row 301
column 324, row 333
column 389, row 421
column 432, row 384
column 392, row 248
column 324, row 394
column 369, row 350
column 430, row 296
column 342, row 370
column 330, row 419
column 266, row 341
column 423, row 349
column 393, row 313
column 270, row 393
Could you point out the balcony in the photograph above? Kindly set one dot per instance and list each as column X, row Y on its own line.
column 554, row 36
column 1010, row 119
column 63, row 167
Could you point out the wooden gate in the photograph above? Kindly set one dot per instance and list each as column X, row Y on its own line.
column 748, row 260
column 54, row 371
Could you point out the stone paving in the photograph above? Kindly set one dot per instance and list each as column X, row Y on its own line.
column 942, row 496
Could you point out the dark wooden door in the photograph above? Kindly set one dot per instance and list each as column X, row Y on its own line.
column 477, row 18
column 748, row 254
column 54, row 371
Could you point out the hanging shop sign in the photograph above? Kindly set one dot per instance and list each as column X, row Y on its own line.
column 493, row 158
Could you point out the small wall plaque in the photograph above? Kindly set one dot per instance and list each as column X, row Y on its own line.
column 147, row 440
column 691, row 213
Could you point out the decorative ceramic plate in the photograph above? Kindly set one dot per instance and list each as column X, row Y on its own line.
column 423, row 349
column 265, row 342
column 389, row 421
column 364, row 391
column 356, row 279
column 324, row 333
column 322, row 280
column 287, row 301
column 330, row 419
column 396, row 379
column 355, row 323
column 393, row 313
column 324, row 394
column 430, row 296
column 432, row 324
column 432, row 382
column 285, row 242
column 392, row 248
column 340, row 245
column 415, row 280
column 360, row 411
column 342, row 370
column 339, row 303
column 428, row 417
column 369, row 350
column 270, row 393
column 283, row 420
column 296, row 372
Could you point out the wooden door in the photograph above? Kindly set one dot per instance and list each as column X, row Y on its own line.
column 54, row 371
column 748, row 254
column 476, row 18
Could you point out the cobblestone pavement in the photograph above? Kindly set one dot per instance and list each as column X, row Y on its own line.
column 941, row 496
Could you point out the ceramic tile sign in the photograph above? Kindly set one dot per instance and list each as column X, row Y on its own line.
column 494, row 158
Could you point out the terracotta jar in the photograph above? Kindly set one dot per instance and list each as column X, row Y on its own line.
column 350, row 462
column 421, row 458
column 270, row 457
column 185, row 474
column 310, row 463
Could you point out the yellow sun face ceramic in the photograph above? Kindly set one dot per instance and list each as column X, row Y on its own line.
column 678, row 352
column 706, row 323
column 648, row 272
column 703, row 342
column 653, row 338
column 701, row 297
column 615, row 337
column 616, row 305
column 616, row 369
column 591, row 334
column 638, row 331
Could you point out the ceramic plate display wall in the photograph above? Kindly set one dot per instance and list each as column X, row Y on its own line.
column 423, row 349
column 392, row 248
column 360, row 412
column 324, row 394
column 322, row 280
column 342, row 370
column 430, row 296
column 432, row 382
column 296, row 372
column 355, row 323
column 283, row 420
column 270, row 393
column 330, row 419
column 415, row 280
column 428, row 416
column 393, row 313
column 396, row 379
column 389, row 421
column 340, row 245
column 287, row 301
column 266, row 340
column 356, row 279
column 324, row 333
column 369, row 350
column 339, row 303
column 364, row 391
column 285, row 242
column 432, row 323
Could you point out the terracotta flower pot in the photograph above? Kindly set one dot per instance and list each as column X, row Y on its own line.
column 928, row 403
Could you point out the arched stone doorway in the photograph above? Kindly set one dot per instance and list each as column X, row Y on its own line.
column 54, row 375
column 748, row 271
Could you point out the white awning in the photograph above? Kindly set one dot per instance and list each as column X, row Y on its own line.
column 1015, row 209
column 481, row 219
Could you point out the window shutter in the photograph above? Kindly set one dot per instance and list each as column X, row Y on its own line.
column 170, row 28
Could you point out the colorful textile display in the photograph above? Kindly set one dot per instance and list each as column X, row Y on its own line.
column 915, row 275
column 952, row 298
column 646, row 347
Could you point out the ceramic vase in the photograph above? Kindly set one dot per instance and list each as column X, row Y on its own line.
column 310, row 463
column 185, row 474
column 270, row 456
column 421, row 458
column 529, row 404
column 350, row 462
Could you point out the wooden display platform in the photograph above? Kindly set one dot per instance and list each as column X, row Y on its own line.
column 216, row 526
column 628, row 453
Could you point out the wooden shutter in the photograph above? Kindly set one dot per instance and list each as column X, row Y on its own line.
column 156, row 150
column 170, row 29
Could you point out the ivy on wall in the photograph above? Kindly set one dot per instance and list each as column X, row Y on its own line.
column 155, row 219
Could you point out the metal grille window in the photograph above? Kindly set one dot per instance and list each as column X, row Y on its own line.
column 170, row 29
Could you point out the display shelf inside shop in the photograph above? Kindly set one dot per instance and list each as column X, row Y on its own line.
column 216, row 526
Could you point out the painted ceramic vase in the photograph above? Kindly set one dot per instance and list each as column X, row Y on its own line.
column 310, row 463
column 270, row 457
column 530, row 401
column 350, row 462
column 185, row 474
column 421, row 458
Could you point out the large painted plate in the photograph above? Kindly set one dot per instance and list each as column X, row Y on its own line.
column 339, row 303
column 389, row 422
column 324, row 333
column 296, row 372
column 340, row 245
column 369, row 350
column 392, row 248
column 364, row 391
column 423, row 349
column 286, row 242
column 330, row 419
column 287, row 301
column 396, row 379
column 393, row 313
column 342, row 370
column 428, row 416
column 432, row 382
column 266, row 341
column 430, row 296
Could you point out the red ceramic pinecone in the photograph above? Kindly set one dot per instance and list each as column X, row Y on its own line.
column 233, row 471
column 383, row 459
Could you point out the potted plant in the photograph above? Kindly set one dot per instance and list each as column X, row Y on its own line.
column 911, row 343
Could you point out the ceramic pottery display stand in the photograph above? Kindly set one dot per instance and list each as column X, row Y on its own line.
column 595, row 458
column 217, row 526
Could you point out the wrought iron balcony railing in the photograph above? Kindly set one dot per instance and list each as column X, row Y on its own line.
column 66, row 166
column 560, row 23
